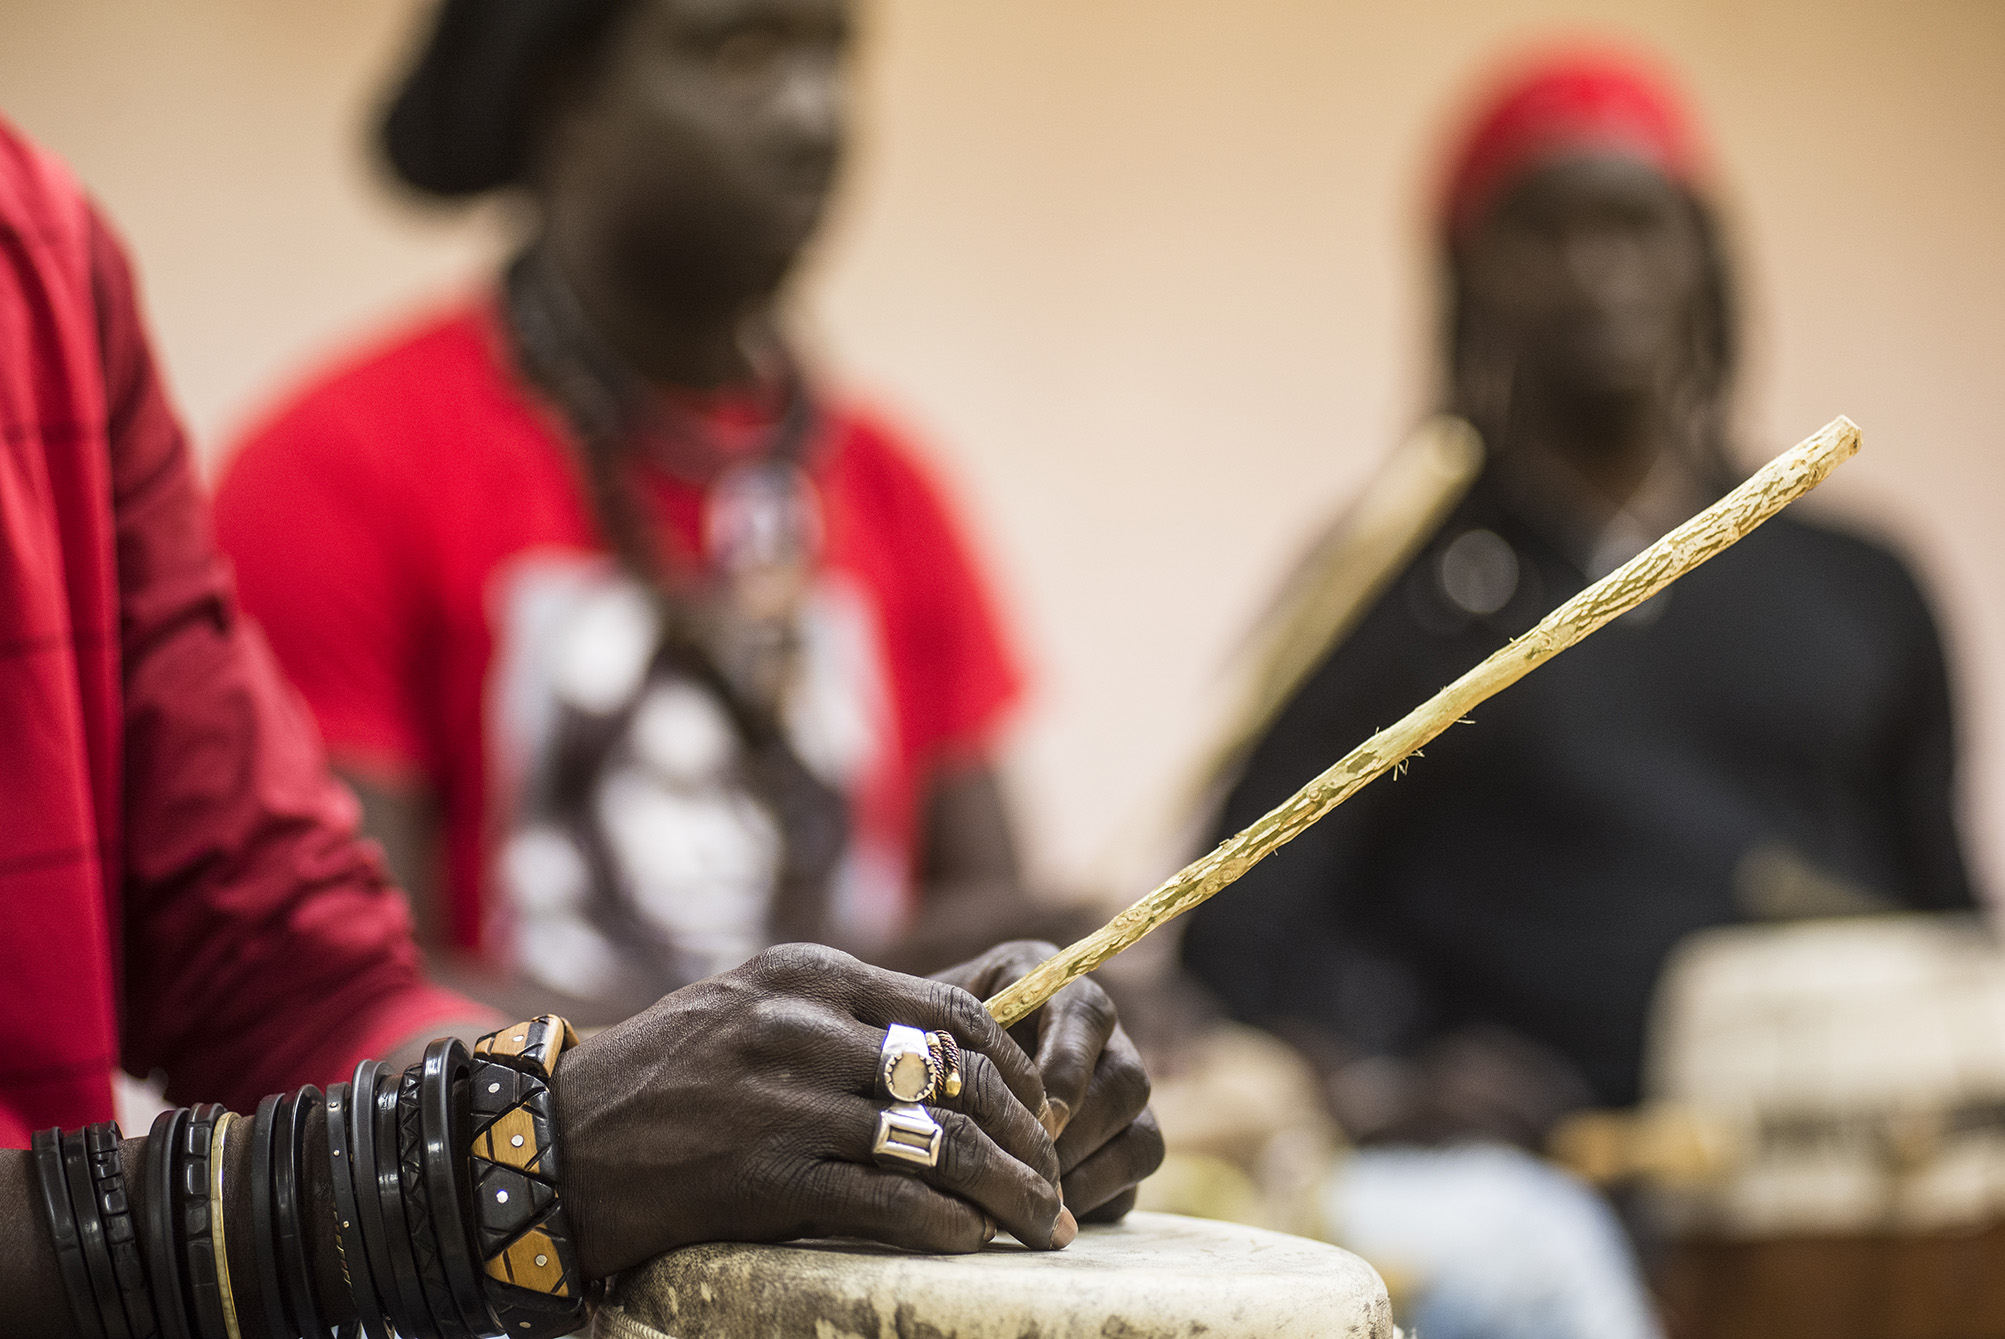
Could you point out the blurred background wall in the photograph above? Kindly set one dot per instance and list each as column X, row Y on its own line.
column 1152, row 276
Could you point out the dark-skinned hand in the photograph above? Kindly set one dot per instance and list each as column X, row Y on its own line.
column 742, row 1108
column 1093, row 1078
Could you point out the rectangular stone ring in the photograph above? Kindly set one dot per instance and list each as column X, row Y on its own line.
column 907, row 1133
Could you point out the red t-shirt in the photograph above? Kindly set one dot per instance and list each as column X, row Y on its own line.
column 180, row 887
column 399, row 524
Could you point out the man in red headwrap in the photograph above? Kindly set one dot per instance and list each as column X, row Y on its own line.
column 1471, row 950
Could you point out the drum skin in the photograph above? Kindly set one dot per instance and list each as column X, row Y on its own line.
column 1152, row 1276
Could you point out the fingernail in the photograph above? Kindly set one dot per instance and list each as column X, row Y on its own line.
column 988, row 1229
column 1064, row 1230
column 1058, row 1115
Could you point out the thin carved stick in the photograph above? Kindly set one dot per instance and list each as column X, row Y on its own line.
column 1788, row 477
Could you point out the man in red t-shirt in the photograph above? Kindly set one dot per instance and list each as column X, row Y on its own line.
column 676, row 653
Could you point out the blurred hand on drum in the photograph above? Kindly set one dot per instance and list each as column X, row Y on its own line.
column 742, row 1108
column 1093, row 1077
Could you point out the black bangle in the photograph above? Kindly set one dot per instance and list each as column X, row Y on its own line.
column 121, row 1234
column 442, row 1111
column 288, row 1203
column 170, row 1305
column 412, row 1313
column 367, row 1171
column 191, row 1198
column 348, row 1216
column 418, row 1208
column 264, row 1227
column 198, row 1247
column 90, row 1228
column 62, row 1219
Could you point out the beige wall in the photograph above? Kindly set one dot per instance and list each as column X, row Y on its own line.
column 1146, row 270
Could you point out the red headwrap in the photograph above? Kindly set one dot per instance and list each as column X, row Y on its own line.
column 1557, row 105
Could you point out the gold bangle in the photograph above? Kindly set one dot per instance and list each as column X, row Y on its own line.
column 216, row 1144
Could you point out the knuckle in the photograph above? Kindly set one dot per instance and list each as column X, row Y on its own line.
column 1131, row 1083
column 960, row 1159
column 786, row 963
column 963, row 1012
column 774, row 1021
column 985, row 1090
column 1146, row 1139
column 896, row 1196
column 1094, row 1007
column 1086, row 993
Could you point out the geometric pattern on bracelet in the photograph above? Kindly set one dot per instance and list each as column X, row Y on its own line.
column 533, row 1046
column 524, row 1234
column 417, row 1198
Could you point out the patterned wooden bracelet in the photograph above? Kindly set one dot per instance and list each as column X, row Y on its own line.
column 532, row 1276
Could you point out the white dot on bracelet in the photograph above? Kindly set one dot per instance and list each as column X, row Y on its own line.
column 494, row 1087
column 501, row 1197
column 517, row 1141
column 542, row 1260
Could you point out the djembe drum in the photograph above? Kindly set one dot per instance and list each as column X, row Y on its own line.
column 1152, row 1276
column 1827, row 1131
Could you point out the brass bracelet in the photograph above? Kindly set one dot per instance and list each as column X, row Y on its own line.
column 217, row 1141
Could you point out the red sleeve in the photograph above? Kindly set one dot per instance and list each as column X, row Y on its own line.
column 326, row 573
column 263, row 947
column 957, row 676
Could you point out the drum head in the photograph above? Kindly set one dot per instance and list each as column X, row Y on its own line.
column 1151, row 1276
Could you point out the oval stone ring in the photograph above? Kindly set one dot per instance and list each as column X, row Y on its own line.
column 906, row 1068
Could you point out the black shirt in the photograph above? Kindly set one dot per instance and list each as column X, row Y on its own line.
column 1534, row 868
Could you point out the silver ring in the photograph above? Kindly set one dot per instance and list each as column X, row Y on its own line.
column 906, row 1069
column 907, row 1132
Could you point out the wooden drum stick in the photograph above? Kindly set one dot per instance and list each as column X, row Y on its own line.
column 1777, row 484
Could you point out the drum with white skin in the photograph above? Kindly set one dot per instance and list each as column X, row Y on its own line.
column 1152, row 1276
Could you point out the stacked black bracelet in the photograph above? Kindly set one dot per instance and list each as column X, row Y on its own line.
column 418, row 1205
column 91, row 1235
column 264, row 1131
column 194, row 1226
column 416, row 1319
column 295, row 1272
column 98, row 1245
column 121, row 1234
column 47, row 1150
column 447, row 1218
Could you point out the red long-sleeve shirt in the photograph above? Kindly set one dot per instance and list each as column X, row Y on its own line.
column 181, row 887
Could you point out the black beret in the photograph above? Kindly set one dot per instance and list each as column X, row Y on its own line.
column 459, row 124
